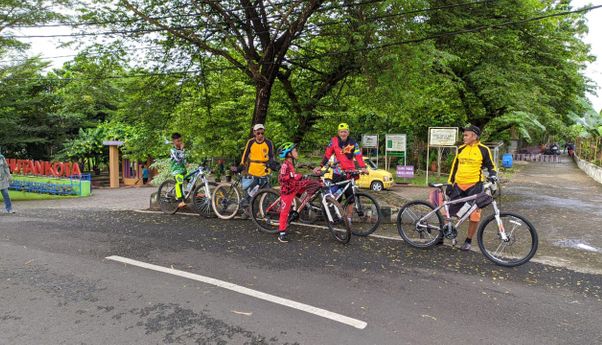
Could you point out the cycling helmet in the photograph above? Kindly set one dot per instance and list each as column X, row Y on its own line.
column 343, row 126
column 285, row 148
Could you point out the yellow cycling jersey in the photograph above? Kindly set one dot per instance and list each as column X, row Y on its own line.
column 256, row 155
column 469, row 163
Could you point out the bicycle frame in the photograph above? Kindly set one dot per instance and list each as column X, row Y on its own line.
column 486, row 190
column 196, row 174
column 324, row 190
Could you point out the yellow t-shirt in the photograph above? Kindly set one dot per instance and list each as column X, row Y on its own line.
column 469, row 163
column 256, row 155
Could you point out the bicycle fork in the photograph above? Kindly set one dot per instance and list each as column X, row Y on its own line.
column 500, row 224
column 328, row 214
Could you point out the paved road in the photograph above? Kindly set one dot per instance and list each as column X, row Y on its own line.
column 564, row 204
column 58, row 288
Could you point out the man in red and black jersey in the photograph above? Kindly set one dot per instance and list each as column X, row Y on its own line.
column 345, row 150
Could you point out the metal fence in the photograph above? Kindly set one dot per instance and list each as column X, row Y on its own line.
column 536, row 157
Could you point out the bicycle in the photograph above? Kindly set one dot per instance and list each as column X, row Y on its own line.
column 366, row 217
column 510, row 241
column 265, row 210
column 226, row 198
column 199, row 193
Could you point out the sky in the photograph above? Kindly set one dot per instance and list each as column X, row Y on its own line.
column 51, row 47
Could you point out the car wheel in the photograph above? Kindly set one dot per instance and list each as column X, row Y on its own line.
column 376, row 186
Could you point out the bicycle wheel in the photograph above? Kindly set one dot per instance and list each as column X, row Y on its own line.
column 265, row 210
column 167, row 197
column 339, row 225
column 518, row 249
column 366, row 215
column 202, row 201
column 225, row 201
column 311, row 212
column 416, row 231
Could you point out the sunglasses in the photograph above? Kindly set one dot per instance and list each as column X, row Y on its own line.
column 259, row 133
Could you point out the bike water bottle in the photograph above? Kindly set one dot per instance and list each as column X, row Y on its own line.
column 338, row 193
column 463, row 210
column 254, row 191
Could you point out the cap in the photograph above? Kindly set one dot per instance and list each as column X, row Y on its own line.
column 472, row 128
column 343, row 126
column 258, row 127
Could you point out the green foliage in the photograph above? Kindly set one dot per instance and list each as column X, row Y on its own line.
column 519, row 81
column 163, row 167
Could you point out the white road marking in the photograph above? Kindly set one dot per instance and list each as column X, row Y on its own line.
column 387, row 237
column 159, row 212
column 245, row 291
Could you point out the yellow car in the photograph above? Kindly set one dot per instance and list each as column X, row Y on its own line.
column 376, row 179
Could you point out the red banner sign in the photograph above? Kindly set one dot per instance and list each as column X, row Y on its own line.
column 43, row 168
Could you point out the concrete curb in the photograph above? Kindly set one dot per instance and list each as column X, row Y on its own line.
column 389, row 212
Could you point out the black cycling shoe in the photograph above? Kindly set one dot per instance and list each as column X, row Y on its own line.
column 282, row 237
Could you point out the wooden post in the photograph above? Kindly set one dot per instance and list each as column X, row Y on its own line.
column 439, row 162
column 114, row 166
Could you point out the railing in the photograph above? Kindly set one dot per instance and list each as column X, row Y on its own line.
column 536, row 157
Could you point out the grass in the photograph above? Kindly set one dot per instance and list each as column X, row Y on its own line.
column 24, row 196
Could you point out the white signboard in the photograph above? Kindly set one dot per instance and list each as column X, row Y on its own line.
column 370, row 141
column 443, row 136
column 395, row 142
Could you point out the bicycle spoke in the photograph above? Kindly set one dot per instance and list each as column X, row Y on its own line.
column 520, row 244
column 414, row 217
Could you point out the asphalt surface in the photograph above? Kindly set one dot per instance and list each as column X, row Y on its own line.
column 56, row 287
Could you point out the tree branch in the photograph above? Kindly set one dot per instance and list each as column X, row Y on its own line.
column 190, row 37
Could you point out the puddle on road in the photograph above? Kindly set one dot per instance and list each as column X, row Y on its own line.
column 577, row 244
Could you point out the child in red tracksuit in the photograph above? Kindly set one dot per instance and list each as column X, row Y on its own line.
column 291, row 184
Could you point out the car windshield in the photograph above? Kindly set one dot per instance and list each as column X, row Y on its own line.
column 371, row 164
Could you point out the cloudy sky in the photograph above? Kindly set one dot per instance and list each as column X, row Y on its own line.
column 50, row 48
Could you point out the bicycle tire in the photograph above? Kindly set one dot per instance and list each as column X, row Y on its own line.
column 404, row 231
column 363, row 221
column 167, row 197
column 225, row 200
column 311, row 212
column 202, row 202
column 512, row 240
column 341, row 234
column 266, row 221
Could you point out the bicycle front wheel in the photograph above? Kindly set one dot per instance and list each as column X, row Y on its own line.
column 415, row 228
column 337, row 221
column 265, row 210
column 201, row 199
column 311, row 212
column 366, row 214
column 225, row 201
column 167, row 197
column 520, row 246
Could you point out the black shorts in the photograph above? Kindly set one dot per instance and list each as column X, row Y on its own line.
column 455, row 193
column 349, row 191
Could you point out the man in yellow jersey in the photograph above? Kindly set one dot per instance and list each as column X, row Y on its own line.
column 258, row 154
column 467, row 176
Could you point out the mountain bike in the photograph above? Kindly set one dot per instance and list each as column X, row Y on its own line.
column 366, row 216
column 265, row 210
column 507, row 239
column 196, row 188
column 226, row 198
